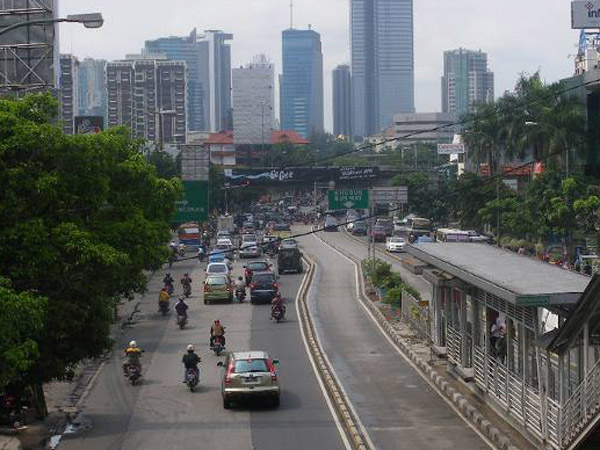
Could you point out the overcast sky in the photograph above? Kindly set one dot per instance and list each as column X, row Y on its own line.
column 518, row 35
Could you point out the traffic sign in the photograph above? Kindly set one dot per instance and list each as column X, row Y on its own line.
column 348, row 199
column 394, row 194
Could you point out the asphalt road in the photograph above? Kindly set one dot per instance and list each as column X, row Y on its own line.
column 161, row 413
column 396, row 406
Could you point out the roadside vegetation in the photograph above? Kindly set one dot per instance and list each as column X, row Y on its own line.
column 82, row 217
column 380, row 274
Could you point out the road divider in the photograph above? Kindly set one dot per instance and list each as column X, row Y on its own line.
column 351, row 429
column 457, row 401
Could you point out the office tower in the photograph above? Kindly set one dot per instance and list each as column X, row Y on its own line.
column 92, row 87
column 68, row 91
column 149, row 95
column 342, row 101
column 466, row 81
column 29, row 59
column 208, row 58
column 382, row 62
column 253, row 102
column 302, row 82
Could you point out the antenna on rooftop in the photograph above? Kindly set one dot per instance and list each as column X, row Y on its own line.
column 291, row 14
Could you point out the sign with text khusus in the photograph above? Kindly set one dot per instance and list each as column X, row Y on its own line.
column 348, row 199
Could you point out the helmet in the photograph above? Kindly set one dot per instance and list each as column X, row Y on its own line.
column 133, row 344
column 182, row 297
column 190, row 348
column 185, row 274
column 168, row 274
column 240, row 278
column 217, row 321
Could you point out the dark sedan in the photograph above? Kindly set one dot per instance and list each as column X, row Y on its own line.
column 263, row 287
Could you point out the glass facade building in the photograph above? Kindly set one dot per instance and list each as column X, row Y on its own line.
column 302, row 82
column 382, row 62
column 342, row 101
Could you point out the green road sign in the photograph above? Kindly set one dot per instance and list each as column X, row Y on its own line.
column 348, row 199
column 194, row 204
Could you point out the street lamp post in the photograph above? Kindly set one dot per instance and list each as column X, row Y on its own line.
column 565, row 143
column 92, row 20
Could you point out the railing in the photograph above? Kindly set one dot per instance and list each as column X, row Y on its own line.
column 582, row 407
column 416, row 315
column 520, row 400
column 454, row 345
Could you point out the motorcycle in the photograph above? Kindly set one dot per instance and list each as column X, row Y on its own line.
column 278, row 313
column 191, row 379
column 181, row 321
column 163, row 307
column 187, row 289
column 181, row 250
column 134, row 373
column 240, row 294
column 11, row 412
column 201, row 255
column 218, row 345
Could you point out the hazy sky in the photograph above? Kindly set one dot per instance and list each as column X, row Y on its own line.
column 518, row 35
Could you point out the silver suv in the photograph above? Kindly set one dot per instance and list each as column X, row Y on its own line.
column 247, row 375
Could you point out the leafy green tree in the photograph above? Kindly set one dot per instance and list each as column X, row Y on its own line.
column 81, row 218
column 165, row 165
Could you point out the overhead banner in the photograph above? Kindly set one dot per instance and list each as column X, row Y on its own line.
column 585, row 14
column 450, row 149
column 274, row 177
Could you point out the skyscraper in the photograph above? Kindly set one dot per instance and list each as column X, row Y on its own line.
column 92, row 88
column 69, row 91
column 302, row 82
column 148, row 95
column 208, row 60
column 382, row 62
column 342, row 101
column 253, row 102
column 466, row 81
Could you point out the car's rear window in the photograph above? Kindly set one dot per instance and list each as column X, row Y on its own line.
column 378, row 228
column 263, row 278
column 249, row 238
column 250, row 365
column 217, row 268
column 258, row 266
column 216, row 280
column 281, row 227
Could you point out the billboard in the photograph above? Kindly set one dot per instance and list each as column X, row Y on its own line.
column 450, row 149
column 195, row 162
column 274, row 177
column 585, row 14
column 89, row 124
column 28, row 54
column 396, row 194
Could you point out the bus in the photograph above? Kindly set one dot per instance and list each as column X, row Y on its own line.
column 189, row 234
column 451, row 235
column 418, row 226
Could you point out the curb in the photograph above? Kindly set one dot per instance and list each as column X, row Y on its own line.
column 336, row 395
column 469, row 412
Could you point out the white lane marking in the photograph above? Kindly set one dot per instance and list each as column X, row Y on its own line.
column 399, row 351
column 341, row 386
column 332, row 410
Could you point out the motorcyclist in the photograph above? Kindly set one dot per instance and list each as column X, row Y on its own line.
column 168, row 281
column 186, row 282
column 163, row 296
column 181, row 307
column 133, row 355
column 181, row 248
column 173, row 246
column 240, row 285
column 217, row 330
column 190, row 360
column 277, row 303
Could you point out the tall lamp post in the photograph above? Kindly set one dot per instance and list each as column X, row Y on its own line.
column 92, row 20
column 565, row 143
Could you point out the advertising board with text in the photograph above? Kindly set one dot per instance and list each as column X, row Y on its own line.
column 585, row 14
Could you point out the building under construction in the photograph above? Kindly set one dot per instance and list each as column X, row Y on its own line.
column 28, row 54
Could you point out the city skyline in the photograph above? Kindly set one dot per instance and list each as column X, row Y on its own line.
column 492, row 27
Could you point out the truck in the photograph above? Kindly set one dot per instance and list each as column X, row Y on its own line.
column 289, row 260
column 225, row 223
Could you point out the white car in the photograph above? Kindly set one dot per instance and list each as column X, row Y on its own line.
column 395, row 244
column 225, row 241
column 218, row 269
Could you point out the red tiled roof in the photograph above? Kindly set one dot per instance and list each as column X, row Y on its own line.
column 222, row 137
column 280, row 137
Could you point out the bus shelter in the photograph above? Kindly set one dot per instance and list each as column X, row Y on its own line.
column 491, row 311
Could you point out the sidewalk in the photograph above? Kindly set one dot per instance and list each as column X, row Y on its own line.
column 9, row 443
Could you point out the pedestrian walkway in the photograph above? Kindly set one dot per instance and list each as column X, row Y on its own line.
column 9, row 443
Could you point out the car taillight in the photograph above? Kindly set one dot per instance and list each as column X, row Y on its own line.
column 272, row 370
column 229, row 373
column 252, row 285
column 275, row 285
column 228, row 288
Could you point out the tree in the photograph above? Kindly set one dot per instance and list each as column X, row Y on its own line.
column 165, row 165
column 81, row 218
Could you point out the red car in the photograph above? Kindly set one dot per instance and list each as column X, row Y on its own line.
column 378, row 233
column 255, row 266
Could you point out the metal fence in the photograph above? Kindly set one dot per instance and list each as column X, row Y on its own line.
column 416, row 314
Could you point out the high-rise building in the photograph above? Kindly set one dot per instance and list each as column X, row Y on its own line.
column 208, row 59
column 302, row 82
column 466, row 81
column 382, row 62
column 253, row 102
column 68, row 91
column 29, row 57
column 92, row 87
column 342, row 101
column 149, row 95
